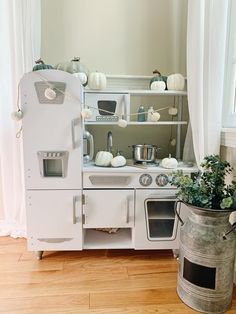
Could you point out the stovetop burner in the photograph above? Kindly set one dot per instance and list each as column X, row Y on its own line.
column 147, row 163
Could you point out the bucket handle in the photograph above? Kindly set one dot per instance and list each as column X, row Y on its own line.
column 177, row 213
column 229, row 231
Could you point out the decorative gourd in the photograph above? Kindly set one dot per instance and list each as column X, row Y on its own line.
column 74, row 66
column 82, row 77
column 118, row 161
column 40, row 65
column 175, row 82
column 169, row 163
column 158, row 85
column 103, row 159
column 158, row 77
column 97, row 80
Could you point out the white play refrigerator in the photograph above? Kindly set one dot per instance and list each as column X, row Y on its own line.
column 52, row 145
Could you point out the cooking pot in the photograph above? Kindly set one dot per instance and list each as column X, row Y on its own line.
column 144, row 153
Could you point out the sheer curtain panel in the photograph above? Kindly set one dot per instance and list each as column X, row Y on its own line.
column 206, row 42
column 20, row 37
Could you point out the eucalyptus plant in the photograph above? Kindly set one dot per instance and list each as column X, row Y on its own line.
column 207, row 188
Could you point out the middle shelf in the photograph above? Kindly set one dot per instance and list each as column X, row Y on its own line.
column 140, row 123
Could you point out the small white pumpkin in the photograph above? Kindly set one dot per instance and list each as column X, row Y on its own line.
column 158, row 85
column 97, row 80
column 175, row 82
column 169, row 163
column 103, row 159
column 118, row 161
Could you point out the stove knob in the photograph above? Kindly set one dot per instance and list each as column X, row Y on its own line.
column 162, row 180
column 145, row 179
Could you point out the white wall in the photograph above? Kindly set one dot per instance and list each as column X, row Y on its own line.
column 116, row 36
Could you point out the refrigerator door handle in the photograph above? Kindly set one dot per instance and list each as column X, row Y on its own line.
column 74, row 123
column 75, row 201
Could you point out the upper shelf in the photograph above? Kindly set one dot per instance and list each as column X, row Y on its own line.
column 138, row 92
column 133, row 85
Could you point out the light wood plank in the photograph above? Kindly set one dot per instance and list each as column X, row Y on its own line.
column 138, row 297
column 83, row 282
column 46, row 304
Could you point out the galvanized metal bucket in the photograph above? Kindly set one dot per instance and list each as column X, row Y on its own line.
column 206, row 260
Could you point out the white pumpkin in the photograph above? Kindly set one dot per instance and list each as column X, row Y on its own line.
column 175, row 82
column 158, row 85
column 169, row 163
column 97, row 80
column 118, row 161
column 103, row 159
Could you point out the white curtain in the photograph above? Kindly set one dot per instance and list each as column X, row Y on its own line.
column 20, row 33
column 206, row 40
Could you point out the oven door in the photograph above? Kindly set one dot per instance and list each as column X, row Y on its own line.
column 156, row 225
column 107, row 107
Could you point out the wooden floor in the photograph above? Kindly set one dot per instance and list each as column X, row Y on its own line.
column 104, row 281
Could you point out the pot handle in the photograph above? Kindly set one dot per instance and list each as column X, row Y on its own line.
column 177, row 213
column 229, row 231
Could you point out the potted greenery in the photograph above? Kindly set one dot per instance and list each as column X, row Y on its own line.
column 207, row 189
column 207, row 239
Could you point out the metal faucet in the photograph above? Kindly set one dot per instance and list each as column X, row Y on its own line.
column 109, row 141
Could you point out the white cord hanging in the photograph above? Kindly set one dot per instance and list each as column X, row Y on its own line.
column 86, row 113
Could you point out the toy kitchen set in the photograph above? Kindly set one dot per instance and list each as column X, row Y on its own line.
column 81, row 194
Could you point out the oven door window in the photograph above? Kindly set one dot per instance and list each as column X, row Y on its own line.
column 160, row 219
column 107, row 107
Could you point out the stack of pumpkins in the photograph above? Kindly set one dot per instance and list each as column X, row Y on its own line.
column 95, row 80
column 172, row 82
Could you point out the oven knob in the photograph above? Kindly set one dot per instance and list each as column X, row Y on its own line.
column 145, row 179
column 162, row 180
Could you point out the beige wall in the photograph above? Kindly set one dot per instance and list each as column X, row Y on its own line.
column 120, row 37
column 116, row 36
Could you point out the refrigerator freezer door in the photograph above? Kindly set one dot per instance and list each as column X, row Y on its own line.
column 52, row 136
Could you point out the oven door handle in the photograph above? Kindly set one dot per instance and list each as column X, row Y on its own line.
column 177, row 213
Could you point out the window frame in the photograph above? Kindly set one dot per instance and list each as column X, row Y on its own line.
column 229, row 96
